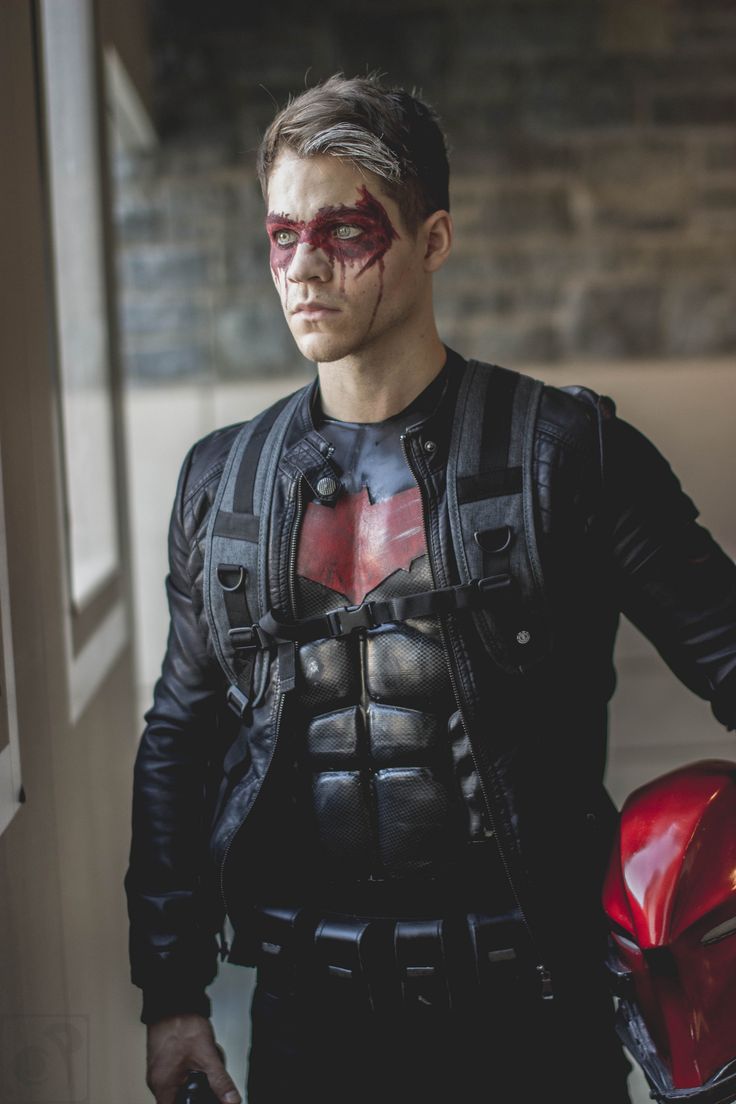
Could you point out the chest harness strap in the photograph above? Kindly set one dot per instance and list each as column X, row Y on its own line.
column 491, row 513
column 368, row 615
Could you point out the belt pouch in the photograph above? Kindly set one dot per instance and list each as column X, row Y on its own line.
column 494, row 941
column 421, row 962
column 283, row 935
column 344, row 958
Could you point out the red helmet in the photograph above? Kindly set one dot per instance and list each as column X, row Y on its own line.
column 670, row 898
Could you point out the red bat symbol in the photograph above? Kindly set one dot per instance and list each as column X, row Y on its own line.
column 353, row 546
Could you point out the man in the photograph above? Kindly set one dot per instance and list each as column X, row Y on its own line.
column 406, row 583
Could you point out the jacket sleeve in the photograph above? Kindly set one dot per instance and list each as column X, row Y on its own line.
column 173, row 913
column 674, row 581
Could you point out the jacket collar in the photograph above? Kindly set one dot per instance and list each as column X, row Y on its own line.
column 307, row 452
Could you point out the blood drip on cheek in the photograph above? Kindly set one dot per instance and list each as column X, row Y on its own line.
column 279, row 276
column 367, row 249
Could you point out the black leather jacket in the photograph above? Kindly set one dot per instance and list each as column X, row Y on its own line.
column 617, row 535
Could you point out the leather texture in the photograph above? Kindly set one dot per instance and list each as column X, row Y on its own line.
column 382, row 792
column 616, row 537
column 382, row 777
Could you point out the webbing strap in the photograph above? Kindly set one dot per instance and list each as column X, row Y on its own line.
column 491, row 474
column 496, row 435
column 232, row 578
column 490, row 497
column 370, row 615
column 246, row 478
column 491, row 488
column 241, row 526
column 231, row 554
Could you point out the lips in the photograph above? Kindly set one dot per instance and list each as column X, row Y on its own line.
column 314, row 312
column 313, row 309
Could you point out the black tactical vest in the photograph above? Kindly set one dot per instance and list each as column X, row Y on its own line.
column 382, row 761
column 385, row 780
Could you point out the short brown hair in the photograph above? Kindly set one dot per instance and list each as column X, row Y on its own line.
column 385, row 130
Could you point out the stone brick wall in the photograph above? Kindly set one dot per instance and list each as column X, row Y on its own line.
column 594, row 175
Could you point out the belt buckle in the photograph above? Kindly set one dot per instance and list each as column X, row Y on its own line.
column 347, row 619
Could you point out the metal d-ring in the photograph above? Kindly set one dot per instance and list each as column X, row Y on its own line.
column 231, row 567
column 504, row 531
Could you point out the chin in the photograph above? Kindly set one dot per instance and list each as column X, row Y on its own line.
column 323, row 348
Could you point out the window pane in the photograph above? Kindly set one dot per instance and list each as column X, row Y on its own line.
column 79, row 276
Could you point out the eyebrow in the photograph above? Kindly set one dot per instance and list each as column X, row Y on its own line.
column 323, row 213
column 273, row 217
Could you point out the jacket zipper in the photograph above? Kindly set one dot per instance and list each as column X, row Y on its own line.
column 542, row 972
column 282, row 694
column 233, row 834
column 294, row 544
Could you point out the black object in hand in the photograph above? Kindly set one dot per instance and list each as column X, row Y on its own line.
column 196, row 1090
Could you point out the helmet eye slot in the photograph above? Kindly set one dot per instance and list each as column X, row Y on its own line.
column 720, row 931
column 624, row 936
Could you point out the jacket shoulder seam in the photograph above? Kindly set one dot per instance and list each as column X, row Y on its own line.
column 549, row 429
column 214, row 470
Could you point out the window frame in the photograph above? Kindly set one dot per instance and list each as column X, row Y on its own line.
column 11, row 788
column 97, row 627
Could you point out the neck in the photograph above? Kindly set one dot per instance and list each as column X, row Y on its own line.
column 377, row 383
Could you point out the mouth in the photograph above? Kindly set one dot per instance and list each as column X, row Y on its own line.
column 312, row 312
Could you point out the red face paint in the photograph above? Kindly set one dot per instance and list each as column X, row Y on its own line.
column 374, row 237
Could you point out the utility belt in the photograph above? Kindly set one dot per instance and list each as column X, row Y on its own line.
column 383, row 964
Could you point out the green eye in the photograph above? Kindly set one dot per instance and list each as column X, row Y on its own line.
column 346, row 233
column 284, row 237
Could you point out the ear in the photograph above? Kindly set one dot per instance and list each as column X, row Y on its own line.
column 436, row 232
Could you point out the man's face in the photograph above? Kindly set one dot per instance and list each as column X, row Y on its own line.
column 346, row 269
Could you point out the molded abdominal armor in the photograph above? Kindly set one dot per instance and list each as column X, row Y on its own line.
column 385, row 769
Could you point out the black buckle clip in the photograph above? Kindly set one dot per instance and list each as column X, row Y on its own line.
column 465, row 595
column 237, row 700
column 493, row 582
column 248, row 636
column 349, row 618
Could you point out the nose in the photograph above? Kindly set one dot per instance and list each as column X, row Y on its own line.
column 309, row 263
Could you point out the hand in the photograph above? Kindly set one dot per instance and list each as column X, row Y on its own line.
column 177, row 1044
